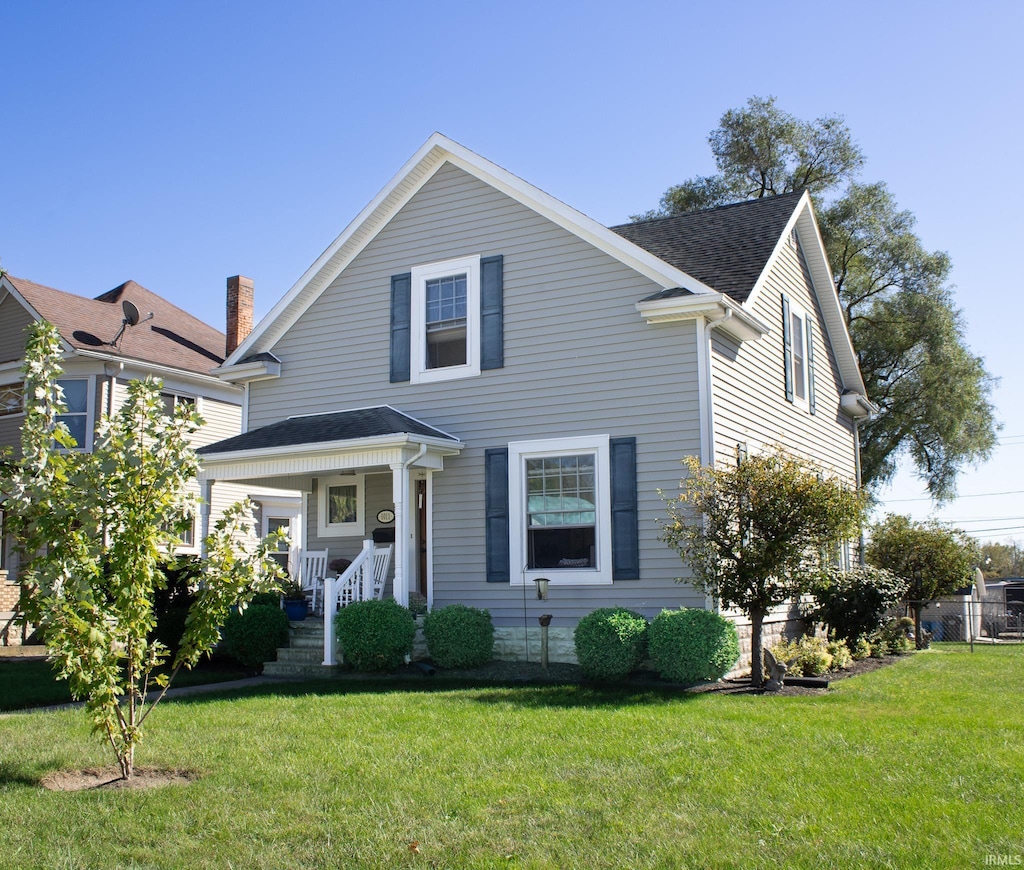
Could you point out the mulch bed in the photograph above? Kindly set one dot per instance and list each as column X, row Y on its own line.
column 110, row 778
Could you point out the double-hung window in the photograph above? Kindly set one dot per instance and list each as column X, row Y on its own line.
column 445, row 341
column 560, row 510
column 76, row 418
column 798, row 341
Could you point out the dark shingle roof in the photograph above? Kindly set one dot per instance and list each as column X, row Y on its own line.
column 325, row 428
column 727, row 248
column 173, row 338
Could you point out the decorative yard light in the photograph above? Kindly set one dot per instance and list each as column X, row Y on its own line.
column 542, row 588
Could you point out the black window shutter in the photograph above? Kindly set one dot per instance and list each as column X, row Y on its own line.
column 496, row 514
column 787, row 344
column 625, row 526
column 810, row 365
column 492, row 313
column 401, row 326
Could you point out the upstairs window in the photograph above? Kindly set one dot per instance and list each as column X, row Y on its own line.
column 76, row 418
column 445, row 339
column 798, row 343
column 172, row 400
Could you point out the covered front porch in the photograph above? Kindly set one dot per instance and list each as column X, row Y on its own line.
column 365, row 474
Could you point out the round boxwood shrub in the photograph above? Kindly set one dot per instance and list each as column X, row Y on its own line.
column 459, row 636
column 610, row 642
column 253, row 636
column 375, row 635
column 691, row 645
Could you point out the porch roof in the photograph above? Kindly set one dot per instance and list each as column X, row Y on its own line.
column 317, row 443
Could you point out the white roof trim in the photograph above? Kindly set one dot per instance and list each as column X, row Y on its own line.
column 719, row 309
column 435, row 153
column 802, row 220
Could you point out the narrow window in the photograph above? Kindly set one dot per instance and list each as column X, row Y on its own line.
column 799, row 357
column 76, row 399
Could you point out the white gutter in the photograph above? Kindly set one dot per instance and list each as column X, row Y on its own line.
column 716, row 307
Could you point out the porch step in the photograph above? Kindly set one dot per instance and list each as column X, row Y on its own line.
column 303, row 655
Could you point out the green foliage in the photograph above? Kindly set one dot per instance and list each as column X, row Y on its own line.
column 610, row 642
column 751, row 532
column 254, row 635
column 934, row 560
column 375, row 635
column 811, row 656
column 910, row 338
column 892, row 639
column 999, row 561
column 691, row 645
column 94, row 529
column 266, row 599
column 861, row 649
column 854, row 602
column 459, row 636
column 842, row 658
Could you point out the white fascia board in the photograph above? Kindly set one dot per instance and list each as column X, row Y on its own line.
column 144, row 367
column 419, row 169
column 857, row 406
column 806, row 225
column 259, row 370
column 718, row 309
column 440, row 446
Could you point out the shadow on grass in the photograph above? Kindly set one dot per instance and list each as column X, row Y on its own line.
column 14, row 773
column 510, row 692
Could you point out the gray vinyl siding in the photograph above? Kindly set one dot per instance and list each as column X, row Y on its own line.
column 579, row 360
column 750, row 405
column 13, row 320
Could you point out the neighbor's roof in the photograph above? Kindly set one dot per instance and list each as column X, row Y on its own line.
column 173, row 338
column 351, row 425
column 726, row 247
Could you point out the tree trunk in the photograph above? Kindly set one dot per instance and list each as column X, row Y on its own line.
column 917, row 605
column 756, row 649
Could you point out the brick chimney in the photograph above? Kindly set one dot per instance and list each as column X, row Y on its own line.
column 240, row 312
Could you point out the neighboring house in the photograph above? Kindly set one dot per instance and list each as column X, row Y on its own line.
column 504, row 385
column 101, row 354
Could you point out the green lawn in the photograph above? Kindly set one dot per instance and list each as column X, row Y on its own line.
column 916, row 765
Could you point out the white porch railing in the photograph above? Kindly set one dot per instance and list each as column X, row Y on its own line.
column 358, row 575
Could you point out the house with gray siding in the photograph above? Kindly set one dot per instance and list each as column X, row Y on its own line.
column 101, row 352
column 501, row 386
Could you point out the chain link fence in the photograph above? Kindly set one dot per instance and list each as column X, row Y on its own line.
column 973, row 621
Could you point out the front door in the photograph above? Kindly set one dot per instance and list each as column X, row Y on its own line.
column 421, row 537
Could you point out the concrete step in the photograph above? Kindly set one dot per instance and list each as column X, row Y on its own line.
column 294, row 655
column 293, row 669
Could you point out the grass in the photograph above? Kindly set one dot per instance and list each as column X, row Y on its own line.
column 914, row 765
column 25, row 684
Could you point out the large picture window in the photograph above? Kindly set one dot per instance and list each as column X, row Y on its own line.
column 559, row 506
column 341, row 506
column 445, row 308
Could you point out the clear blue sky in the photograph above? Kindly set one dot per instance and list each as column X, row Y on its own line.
column 178, row 143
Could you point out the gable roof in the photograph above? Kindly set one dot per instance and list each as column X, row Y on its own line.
column 173, row 338
column 725, row 247
column 317, row 429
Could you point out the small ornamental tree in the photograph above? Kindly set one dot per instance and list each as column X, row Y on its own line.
column 751, row 533
column 932, row 559
column 94, row 529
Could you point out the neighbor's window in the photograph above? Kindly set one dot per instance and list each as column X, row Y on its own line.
column 559, row 506
column 172, row 400
column 12, row 399
column 76, row 418
column 445, row 317
column 341, row 506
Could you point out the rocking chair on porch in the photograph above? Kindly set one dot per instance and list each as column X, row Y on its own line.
column 312, row 569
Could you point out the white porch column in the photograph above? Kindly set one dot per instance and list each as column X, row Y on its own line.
column 403, row 531
column 206, row 494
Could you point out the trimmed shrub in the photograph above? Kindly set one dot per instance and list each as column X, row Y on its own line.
column 892, row 639
column 691, row 645
column 267, row 599
column 854, row 603
column 610, row 642
column 805, row 657
column 459, row 636
column 842, row 658
column 253, row 636
column 375, row 635
column 861, row 649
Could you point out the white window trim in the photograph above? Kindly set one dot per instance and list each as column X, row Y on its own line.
column 518, row 453
column 21, row 412
column 418, row 371
column 90, row 408
column 341, row 530
column 796, row 310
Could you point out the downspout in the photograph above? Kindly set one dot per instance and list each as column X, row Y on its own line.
column 857, row 482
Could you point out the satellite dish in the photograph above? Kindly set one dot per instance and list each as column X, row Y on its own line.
column 131, row 313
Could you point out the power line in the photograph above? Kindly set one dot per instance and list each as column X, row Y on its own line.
column 975, row 495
